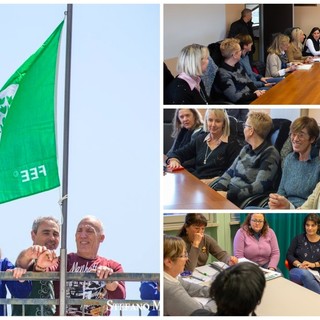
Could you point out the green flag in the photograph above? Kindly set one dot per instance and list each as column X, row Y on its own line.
column 28, row 163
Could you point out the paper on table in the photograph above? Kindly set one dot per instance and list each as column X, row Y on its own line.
column 268, row 274
column 315, row 274
column 304, row 66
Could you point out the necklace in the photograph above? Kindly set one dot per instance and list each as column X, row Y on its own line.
column 206, row 157
column 202, row 95
column 214, row 147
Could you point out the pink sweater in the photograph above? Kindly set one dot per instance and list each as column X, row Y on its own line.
column 265, row 251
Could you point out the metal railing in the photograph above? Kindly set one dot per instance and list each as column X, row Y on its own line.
column 118, row 305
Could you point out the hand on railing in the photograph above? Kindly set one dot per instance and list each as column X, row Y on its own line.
column 17, row 273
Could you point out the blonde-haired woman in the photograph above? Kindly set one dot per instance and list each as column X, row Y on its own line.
column 178, row 294
column 277, row 60
column 294, row 51
column 187, row 87
column 213, row 151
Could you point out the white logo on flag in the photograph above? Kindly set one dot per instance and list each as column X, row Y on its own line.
column 6, row 97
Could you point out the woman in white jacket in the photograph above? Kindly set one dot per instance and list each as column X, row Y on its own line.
column 312, row 46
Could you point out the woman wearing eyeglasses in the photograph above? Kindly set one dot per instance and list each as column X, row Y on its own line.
column 257, row 242
column 178, row 294
column 301, row 168
column 200, row 245
column 257, row 168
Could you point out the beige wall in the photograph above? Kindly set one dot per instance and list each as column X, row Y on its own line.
column 233, row 13
column 307, row 17
column 185, row 24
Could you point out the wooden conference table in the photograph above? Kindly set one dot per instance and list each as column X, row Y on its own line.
column 299, row 87
column 182, row 190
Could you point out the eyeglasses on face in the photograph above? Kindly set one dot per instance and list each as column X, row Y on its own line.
column 244, row 125
column 257, row 221
column 184, row 255
column 299, row 135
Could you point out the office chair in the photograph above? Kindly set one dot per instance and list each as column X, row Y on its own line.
column 168, row 115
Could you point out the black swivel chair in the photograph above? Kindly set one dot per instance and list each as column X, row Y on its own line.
column 168, row 115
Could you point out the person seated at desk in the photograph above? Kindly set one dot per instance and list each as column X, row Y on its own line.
column 312, row 45
column 187, row 87
column 256, row 169
column 301, row 168
column 231, row 79
column 257, row 242
column 294, row 51
column 199, row 245
column 277, row 60
column 213, row 152
column 178, row 294
column 187, row 125
column 262, row 83
column 304, row 254
column 237, row 291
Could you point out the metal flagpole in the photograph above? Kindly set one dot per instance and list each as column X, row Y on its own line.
column 63, row 252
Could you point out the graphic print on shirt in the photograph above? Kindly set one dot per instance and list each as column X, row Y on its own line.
column 85, row 290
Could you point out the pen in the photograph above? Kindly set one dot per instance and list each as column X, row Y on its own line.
column 197, row 278
column 205, row 274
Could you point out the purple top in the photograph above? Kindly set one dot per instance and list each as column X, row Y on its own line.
column 265, row 251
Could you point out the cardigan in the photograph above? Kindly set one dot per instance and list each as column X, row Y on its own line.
column 303, row 250
column 216, row 163
column 273, row 66
column 265, row 251
column 178, row 91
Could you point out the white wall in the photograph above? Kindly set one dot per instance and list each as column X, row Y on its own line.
column 185, row 24
column 285, row 113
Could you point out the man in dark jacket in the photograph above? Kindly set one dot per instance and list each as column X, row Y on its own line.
column 243, row 26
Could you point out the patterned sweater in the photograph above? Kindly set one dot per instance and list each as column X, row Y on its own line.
column 252, row 172
column 235, row 84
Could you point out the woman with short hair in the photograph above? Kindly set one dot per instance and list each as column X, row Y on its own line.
column 257, row 168
column 231, row 79
column 178, row 294
column 301, row 168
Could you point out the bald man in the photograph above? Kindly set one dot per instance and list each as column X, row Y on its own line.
column 89, row 235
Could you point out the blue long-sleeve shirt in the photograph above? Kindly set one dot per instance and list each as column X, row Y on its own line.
column 16, row 288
